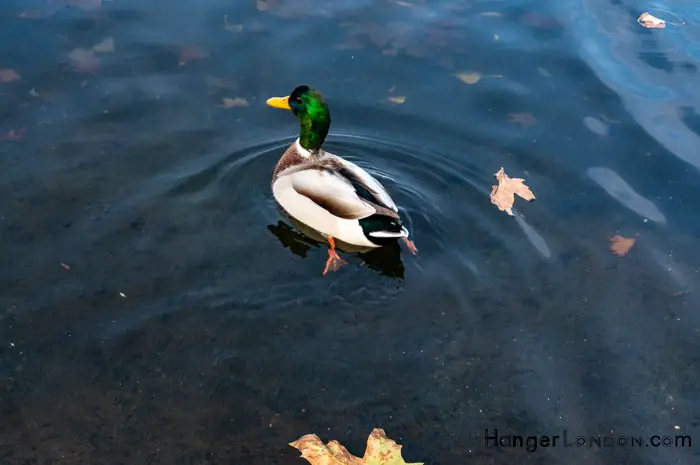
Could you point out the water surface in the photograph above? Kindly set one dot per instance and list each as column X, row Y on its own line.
column 155, row 307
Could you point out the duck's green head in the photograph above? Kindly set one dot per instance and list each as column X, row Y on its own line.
column 310, row 108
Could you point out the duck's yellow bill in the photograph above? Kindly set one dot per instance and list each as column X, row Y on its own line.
column 279, row 102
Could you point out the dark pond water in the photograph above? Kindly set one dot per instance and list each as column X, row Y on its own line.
column 156, row 308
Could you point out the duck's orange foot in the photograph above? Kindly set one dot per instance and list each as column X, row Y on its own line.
column 334, row 262
column 410, row 245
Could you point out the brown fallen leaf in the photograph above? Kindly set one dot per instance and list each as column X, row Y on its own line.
column 651, row 22
column 525, row 119
column 380, row 451
column 503, row 195
column 9, row 75
column 235, row 102
column 620, row 246
column 397, row 99
column 14, row 135
column 191, row 52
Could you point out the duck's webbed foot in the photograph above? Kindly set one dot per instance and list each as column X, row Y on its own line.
column 334, row 261
column 410, row 245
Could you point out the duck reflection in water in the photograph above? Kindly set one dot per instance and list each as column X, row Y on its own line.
column 300, row 239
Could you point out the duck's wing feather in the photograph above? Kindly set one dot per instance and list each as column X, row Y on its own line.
column 366, row 181
column 331, row 191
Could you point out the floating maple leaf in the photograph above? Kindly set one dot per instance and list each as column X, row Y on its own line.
column 9, row 75
column 526, row 119
column 621, row 245
column 503, row 195
column 651, row 22
column 380, row 451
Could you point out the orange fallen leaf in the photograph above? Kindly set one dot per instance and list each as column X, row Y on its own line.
column 13, row 136
column 380, row 451
column 9, row 75
column 525, row 119
column 621, row 245
column 503, row 195
column 651, row 22
column 191, row 52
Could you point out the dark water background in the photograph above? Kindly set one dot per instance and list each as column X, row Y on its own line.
column 191, row 324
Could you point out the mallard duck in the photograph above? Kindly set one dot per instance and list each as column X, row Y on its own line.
column 332, row 195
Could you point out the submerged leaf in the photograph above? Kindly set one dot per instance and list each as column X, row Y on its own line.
column 262, row 5
column 469, row 78
column 235, row 102
column 380, row 451
column 596, row 125
column 503, row 195
column 191, row 52
column 85, row 60
column 14, row 135
column 620, row 246
column 9, row 75
column 232, row 27
column 651, row 22
column 525, row 119
column 106, row 46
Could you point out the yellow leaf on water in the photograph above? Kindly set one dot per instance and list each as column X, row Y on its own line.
column 469, row 78
column 235, row 102
column 106, row 46
column 503, row 195
column 380, row 451
column 651, row 22
column 397, row 99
